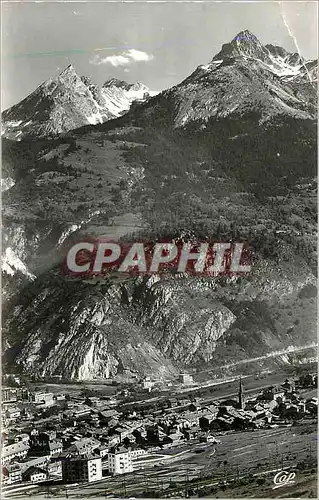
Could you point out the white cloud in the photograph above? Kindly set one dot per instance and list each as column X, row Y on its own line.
column 138, row 55
column 119, row 60
column 124, row 59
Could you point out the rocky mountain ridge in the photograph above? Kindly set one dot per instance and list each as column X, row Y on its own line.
column 68, row 101
column 274, row 58
column 246, row 77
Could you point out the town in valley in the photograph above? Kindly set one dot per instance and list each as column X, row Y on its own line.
column 148, row 438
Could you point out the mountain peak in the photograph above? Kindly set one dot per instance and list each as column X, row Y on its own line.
column 69, row 69
column 67, row 75
column 115, row 82
column 139, row 86
column 245, row 43
column 68, row 101
column 246, row 36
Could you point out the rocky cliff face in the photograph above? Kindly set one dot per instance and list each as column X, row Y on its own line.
column 67, row 102
column 172, row 167
column 155, row 326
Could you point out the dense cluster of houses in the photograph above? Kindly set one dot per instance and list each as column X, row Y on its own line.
column 84, row 439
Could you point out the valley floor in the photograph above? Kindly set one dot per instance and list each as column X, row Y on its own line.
column 208, row 388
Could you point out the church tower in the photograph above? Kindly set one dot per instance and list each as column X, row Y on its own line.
column 241, row 399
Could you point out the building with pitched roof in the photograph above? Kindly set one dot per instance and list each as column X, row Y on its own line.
column 16, row 450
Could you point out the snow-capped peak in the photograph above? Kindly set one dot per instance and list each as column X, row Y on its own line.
column 245, row 45
column 246, row 75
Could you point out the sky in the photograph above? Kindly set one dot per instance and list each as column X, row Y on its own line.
column 157, row 43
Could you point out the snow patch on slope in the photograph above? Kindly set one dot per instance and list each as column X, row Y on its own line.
column 11, row 264
column 118, row 100
column 95, row 118
column 7, row 183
